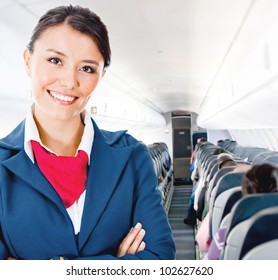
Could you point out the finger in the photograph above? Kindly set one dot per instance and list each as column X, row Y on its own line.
column 136, row 243
column 141, row 247
column 130, row 237
column 134, row 247
column 128, row 240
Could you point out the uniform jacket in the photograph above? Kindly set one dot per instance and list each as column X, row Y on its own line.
column 121, row 190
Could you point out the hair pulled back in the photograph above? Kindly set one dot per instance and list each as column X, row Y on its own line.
column 80, row 19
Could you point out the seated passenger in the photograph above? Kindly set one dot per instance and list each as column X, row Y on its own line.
column 223, row 160
column 202, row 237
column 259, row 179
column 219, row 151
column 191, row 214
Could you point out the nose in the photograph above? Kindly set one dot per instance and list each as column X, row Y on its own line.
column 68, row 78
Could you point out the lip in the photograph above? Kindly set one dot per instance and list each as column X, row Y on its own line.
column 61, row 98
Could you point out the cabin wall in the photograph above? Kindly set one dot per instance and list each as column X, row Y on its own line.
column 163, row 134
column 215, row 135
column 262, row 138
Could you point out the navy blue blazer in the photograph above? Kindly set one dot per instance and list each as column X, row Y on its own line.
column 121, row 191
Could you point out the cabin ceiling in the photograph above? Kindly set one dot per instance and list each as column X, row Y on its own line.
column 168, row 54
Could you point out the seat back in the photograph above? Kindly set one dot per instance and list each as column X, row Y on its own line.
column 218, row 175
column 240, row 216
column 220, row 207
column 272, row 160
column 228, row 181
column 251, row 204
column 264, row 251
column 261, row 157
column 231, row 201
column 263, row 229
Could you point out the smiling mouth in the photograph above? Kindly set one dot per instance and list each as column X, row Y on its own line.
column 61, row 98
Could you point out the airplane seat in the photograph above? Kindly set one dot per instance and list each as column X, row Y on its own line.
column 251, row 152
column 207, row 161
column 223, row 205
column 262, row 230
column 235, row 196
column 264, row 251
column 228, row 145
column 240, row 152
column 200, row 148
column 205, row 154
column 242, row 162
column 228, row 181
column 254, row 152
column 164, row 171
column 231, row 148
column 214, row 169
column 206, row 149
column 245, row 153
column 212, row 165
column 212, row 160
column 272, row 160
column 217, row 176
column 202, row 158
column 239, row 223
column 273, row 155
column 260, row 157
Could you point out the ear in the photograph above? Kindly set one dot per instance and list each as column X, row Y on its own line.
column 27, row 61
column 103, row 72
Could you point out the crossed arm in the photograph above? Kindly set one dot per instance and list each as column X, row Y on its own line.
column 131, row 244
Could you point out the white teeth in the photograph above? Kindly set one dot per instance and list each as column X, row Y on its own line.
column 62, row 97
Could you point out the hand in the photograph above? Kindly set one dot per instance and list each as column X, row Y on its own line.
column 133, row 242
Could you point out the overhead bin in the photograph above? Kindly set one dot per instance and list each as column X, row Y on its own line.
column 241, row 94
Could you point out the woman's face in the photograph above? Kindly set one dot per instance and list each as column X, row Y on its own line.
column 65, row 68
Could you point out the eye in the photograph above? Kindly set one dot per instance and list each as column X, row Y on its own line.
column 87, row 69
column 55, row 60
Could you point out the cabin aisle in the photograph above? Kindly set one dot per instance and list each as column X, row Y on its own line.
column 183, row 234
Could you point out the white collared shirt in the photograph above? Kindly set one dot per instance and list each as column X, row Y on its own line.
column 31, row 133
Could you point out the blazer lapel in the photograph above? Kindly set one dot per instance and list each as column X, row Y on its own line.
column 107, row 164
column 23, row 167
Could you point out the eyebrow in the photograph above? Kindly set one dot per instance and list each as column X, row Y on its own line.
column 91, row 61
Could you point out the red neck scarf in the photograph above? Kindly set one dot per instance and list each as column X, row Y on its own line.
column 66, row 174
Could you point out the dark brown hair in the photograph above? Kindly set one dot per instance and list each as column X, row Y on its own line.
column 260, row 179
column 80, row 19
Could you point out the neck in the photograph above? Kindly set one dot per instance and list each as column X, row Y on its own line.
column 61, row 136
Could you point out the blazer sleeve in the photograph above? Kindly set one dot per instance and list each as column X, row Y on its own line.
column 3, row 250
column 149, row 210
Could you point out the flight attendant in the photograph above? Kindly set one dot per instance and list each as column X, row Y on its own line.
column 69, row 190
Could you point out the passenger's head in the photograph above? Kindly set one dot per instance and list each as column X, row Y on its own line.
column 219, row 142
column 225, row 160
column 260, row 179
column 201, row 140
column 219, row 151
column 78, row 18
